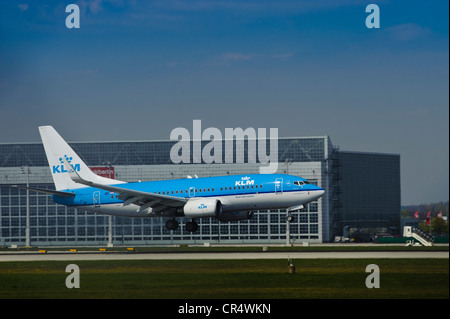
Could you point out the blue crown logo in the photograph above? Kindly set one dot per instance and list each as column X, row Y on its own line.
column 69, row 159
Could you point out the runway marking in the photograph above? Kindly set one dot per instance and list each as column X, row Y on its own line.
column 57, row 256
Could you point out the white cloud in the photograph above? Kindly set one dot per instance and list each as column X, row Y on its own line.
column 235, row 57
column 407, row 31
column 229, row 58
column 23, row 6
column 94, row 6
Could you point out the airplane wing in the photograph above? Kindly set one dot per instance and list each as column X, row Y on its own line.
column 158, row 203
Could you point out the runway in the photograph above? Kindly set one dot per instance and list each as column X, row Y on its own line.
column 75, row 256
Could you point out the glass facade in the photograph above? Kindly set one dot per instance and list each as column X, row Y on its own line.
column 312, row 158
column 156, row 152
column 369, row 192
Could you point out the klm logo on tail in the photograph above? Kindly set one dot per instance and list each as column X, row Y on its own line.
column 61, row 169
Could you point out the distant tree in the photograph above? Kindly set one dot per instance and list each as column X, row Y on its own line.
column 438, row 227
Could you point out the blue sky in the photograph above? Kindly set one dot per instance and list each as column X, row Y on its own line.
column 138, row 69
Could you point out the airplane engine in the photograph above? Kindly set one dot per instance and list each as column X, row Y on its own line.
column 234, row 216
column 202, row 208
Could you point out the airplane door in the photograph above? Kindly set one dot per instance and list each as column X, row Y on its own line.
column 279, row 186
column 97, row 199
column 191, row 191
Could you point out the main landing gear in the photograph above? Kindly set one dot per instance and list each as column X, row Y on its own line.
column 191, row 226
column 172, row 224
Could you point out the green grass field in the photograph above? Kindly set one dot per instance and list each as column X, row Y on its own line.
column 222, row 279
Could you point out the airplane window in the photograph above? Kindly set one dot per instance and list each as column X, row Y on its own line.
column 208, row 189
column 204, row 189
column 234, row 187
column 176, row 192
column 212, row 189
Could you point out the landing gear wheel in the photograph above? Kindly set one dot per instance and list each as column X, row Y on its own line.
column 290, row 218
column 172, row 224
column 192, row 227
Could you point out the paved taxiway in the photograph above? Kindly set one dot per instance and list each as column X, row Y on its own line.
column 74, row 256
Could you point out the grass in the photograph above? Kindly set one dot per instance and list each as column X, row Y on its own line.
column 220, row 279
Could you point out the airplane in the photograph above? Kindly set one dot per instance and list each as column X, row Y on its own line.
column 227, row 198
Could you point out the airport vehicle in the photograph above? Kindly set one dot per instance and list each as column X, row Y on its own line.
column 227, row 198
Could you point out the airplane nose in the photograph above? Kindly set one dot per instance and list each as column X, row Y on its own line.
column 318, row 193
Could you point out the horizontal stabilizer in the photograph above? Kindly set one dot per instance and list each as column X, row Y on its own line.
column 130, row 196
column 46, row 191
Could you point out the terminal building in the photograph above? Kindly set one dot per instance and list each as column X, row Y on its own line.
column 362, row 194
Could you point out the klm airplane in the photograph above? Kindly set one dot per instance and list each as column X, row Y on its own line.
column 227, row 198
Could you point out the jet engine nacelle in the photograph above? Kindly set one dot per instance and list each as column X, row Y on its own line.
column 234, row 216
column 202, row 208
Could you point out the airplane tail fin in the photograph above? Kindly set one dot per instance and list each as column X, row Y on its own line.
column 59, row 153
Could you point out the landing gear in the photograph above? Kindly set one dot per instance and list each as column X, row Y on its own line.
column 191, row 227
column 172, row 224
column 290, row 218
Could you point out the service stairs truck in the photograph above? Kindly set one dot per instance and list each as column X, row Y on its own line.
column 422, row 237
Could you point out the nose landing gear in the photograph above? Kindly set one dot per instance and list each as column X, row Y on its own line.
column 290, row 217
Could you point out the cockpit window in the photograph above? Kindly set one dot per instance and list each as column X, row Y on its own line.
column 300, row 183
